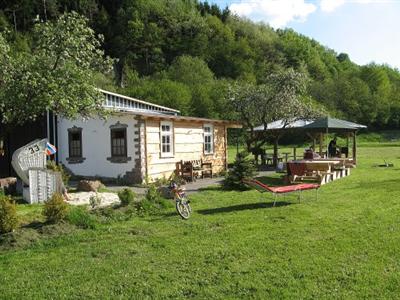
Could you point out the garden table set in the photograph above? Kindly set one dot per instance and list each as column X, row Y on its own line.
column 320, row 170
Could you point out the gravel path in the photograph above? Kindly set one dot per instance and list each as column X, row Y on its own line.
column 109, row 198
column 191, row 187
column 83, row 198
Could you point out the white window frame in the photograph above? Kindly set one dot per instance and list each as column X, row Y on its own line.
column 169, row 134
column 208, row 134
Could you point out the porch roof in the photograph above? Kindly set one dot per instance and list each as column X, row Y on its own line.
column 159, row 116
column 333, row 125
column 321, row 124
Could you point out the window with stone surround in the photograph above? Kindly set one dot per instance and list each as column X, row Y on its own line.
column 75, row 152
column 119, row 143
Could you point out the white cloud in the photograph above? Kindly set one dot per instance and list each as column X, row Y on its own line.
column 373, row 1
column 277, row 13
column 330, row 5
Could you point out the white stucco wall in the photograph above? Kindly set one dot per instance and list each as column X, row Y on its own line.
column 96, row 146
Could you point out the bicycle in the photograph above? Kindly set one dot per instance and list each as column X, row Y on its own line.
column 182, row 202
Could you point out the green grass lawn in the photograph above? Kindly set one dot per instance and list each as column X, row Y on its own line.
column 236, row 245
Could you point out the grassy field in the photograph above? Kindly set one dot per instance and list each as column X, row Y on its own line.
column 236, row 245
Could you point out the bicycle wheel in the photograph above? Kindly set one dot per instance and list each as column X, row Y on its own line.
column 183, row 208
column 186, row 200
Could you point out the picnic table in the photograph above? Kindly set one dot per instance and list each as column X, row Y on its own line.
column 321, row 170
column 348, row 162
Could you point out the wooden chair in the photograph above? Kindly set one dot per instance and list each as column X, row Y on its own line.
column 269, row 158
column 190, row 170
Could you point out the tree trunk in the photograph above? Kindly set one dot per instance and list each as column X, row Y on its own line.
column 15, row 20
column 275, row 159
column 45, row 10
column 248, row 146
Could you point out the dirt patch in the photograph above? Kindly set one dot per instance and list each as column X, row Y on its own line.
column 28, row 235
column 20, row 238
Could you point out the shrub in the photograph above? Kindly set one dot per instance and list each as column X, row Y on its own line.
column 164, row 203
column 222, row 173
column 126, row 196
column 243, row 167
column 152, row 202
column 95, row 201
column 8, row 214
column 160, row 181
column 55, row 209
column 152, row 194
column 108, row 215
column 179, row 180
column 52, row 165
column 80, row 217
column 144, row 207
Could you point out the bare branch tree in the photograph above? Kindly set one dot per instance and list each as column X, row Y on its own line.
column 282, row 97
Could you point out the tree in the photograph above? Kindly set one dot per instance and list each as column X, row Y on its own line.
column 282, row 97
column 4, row 62
column 243, row 168
column 150, row 37
column 194, row 73
column 57, row 75
column 163, row 92
column 343, row 57
column 381, row 88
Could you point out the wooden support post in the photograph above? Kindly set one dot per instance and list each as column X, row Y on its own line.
column 275, row 159
column 320, row 143
column 294, row 153
column 312, row 136
column 226, row 147
column 354, row 148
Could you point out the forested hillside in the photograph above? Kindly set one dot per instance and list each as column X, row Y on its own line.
column 185, row 53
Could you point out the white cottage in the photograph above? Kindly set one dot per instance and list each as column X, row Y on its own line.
column 140, row 140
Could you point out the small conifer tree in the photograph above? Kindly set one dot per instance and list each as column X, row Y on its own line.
column 243, row 168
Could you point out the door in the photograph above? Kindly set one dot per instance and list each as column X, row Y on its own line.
column 5, row 156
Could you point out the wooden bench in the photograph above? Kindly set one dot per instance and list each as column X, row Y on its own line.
column 192, row 169
column 322, row 171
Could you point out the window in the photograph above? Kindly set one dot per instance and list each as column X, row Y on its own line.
column 118, row 142
column 75, row 142
column 208, row 139
column 166, row 136
column 75, row 145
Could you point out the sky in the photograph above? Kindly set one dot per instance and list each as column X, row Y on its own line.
column 367, row 30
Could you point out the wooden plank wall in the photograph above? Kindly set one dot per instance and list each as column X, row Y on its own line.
column 188, row 145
